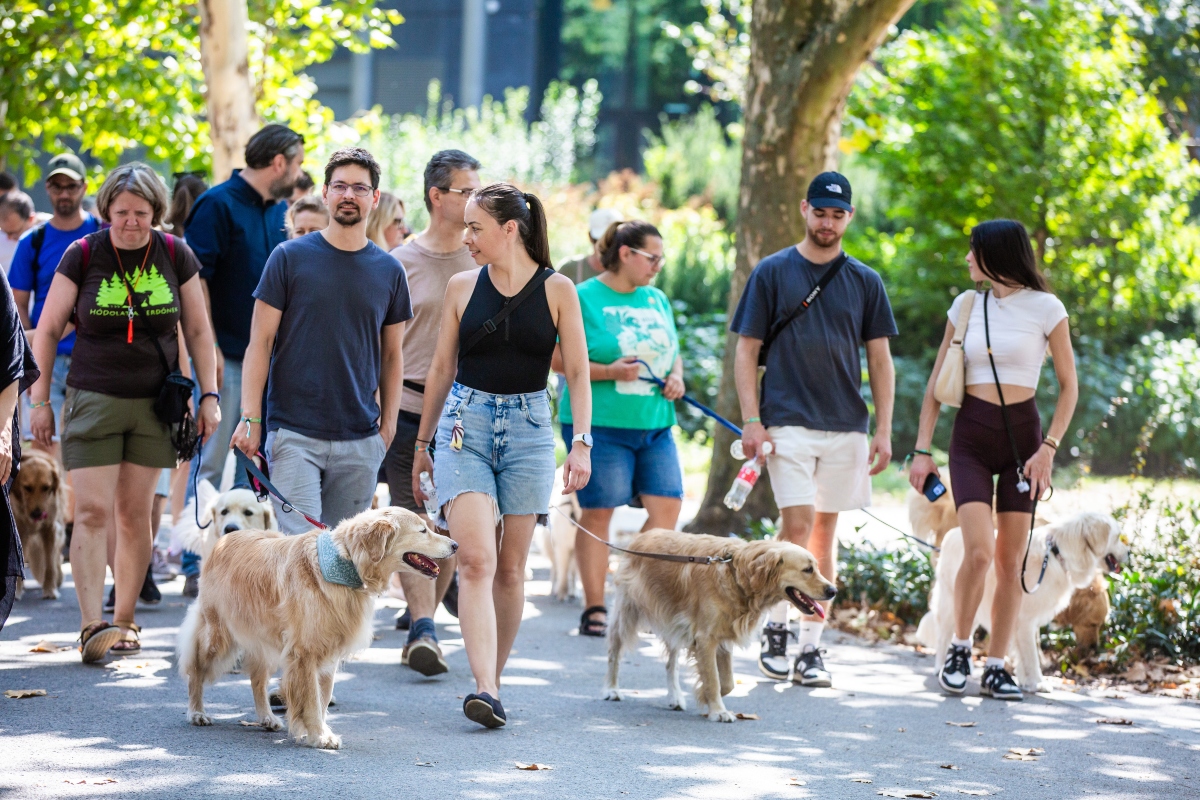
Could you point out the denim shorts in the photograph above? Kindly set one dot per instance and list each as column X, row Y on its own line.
column 507, row 451
column 627, row 463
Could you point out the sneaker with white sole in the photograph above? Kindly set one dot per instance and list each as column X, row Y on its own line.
column 956, row 669
column 809, row 669
column 772, row 659
column 423, row 655
column 999, row 684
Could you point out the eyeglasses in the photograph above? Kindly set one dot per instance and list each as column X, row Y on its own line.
column 463, row 192
column 359, row 189
column 58, row 188
column 654, row 260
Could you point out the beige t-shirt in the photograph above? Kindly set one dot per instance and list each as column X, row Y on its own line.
column 578, row 270
column 428, row 275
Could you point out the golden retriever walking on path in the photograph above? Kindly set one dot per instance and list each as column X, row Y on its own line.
column 301, row 602
column 707, row 609
column 37, row 498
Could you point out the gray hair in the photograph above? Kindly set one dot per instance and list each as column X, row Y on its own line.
column 139, row 180
column 17, row 202
column 440, row 170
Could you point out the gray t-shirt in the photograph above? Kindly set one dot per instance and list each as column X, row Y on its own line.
column 814, row 375
column 325, row 367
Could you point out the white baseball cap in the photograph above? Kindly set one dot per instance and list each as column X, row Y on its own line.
column 599, row 221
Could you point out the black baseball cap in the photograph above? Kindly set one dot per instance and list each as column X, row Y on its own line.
column 66, row 164
column 830, row 190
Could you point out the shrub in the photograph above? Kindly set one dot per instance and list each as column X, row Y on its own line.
column 696, row 156
column 887, row 580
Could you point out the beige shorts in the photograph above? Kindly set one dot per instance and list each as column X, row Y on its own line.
column 826, row 469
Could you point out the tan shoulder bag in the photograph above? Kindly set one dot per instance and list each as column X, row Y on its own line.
column 952, row 378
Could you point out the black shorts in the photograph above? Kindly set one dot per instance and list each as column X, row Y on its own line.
column 980, row 449
column 398, row 463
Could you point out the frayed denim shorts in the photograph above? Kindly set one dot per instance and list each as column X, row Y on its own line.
column 507, row 451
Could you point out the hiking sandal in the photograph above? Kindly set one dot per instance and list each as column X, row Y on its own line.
column 591, row 627
column 127, row 646
column 96, row 638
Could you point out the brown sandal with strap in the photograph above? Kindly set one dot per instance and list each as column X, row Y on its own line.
column 96, row 639
column 127, row 646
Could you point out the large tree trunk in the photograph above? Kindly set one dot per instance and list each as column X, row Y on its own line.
column 228, row 92
column 804, row 55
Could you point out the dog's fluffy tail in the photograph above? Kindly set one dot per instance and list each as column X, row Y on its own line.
column 926, row 630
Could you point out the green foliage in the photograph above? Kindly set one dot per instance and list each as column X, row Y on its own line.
column 889, row 580
column 702, row 345
column 699, row 259
column 107, row 77
column 1169, row 31
column 696, row 157
column 1030, row 113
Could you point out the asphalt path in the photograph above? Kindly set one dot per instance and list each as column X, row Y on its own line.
column 118, row 729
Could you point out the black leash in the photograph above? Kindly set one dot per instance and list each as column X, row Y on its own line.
column 1022, row 482
column 257, row 474
column 704, row 560
column 196, row 498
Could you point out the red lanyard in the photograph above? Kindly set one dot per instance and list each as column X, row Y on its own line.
column 125, row 279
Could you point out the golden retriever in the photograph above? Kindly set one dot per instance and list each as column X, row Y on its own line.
column 36, row 503
column 707, row 609
column 1088, row 543
column 228, row 512
column 557, row 543
column 263, row 595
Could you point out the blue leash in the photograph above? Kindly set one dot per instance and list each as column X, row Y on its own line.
column 694, row 403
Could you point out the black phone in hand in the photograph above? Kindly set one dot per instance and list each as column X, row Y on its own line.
column 934, row 488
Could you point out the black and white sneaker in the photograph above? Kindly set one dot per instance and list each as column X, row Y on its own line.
column 956, row 669
column 999, row 684
column 772, row 659
column 809, row 669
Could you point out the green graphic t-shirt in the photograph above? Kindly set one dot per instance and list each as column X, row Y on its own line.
column 640, row 323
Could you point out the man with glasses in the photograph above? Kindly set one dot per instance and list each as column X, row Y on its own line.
column 16, row 216
column 329, row 318
column 430, row 260
column 38, row 253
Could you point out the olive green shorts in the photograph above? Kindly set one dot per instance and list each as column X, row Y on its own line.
column 100, row 430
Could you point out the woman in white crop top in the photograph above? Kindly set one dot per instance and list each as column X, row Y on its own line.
column 1024, row 320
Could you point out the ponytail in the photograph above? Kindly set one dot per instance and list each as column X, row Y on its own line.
column 504, row 202
column 623, row 234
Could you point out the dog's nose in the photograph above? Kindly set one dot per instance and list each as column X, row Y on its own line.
column 231, row 527
column 453, row 547
column 830, row 592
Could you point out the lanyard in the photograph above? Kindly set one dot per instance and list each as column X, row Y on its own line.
column 125, row 279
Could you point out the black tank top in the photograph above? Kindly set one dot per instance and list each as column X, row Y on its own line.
column 515, row 358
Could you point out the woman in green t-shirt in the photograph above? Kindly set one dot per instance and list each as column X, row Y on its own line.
column 634, row 456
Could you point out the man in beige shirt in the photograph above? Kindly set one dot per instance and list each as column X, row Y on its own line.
column 430, row 260
column 583, row 267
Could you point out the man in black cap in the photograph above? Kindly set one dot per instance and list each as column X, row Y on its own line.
column 811, row 307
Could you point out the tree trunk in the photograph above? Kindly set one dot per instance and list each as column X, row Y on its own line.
column 804, row 55
column 228, row 90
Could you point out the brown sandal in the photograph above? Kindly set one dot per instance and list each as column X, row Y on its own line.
column 127, row 646
column 96, row 639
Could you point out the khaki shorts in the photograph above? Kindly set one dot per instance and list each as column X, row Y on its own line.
column 100, row 430
column 826, row 469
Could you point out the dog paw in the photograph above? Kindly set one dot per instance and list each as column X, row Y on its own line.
column 721, row 716
column 199, row 718
column 271, row 722
column 676, row 704
column 326, row 741
column 49, row 595
column 612, row 694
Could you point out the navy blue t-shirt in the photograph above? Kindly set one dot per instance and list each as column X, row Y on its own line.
column 30, row 277
column 325, row 367
column 232, row 230
column 814, row 374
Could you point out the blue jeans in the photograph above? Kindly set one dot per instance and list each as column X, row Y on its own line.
column 627, row 463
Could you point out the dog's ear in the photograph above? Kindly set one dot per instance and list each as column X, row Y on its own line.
column 55, row 481
column 209, row 513
column 375, row 540
column 269, row 516
column 761, row 569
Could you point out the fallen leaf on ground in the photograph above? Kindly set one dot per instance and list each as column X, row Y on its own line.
column 949, row 766
column 976, row 792
column 248, row 724
column 961, row 724
column 899, row 730
column 906, row 793
column 1023, row 753
column 740, row 715
column 21, row 694
column 425, row 763
column 48, row 647
column 533, row 767
column 795, row 782
column 1114, row 721
column 1136, row 673
column 868, row 726
column 861, row 780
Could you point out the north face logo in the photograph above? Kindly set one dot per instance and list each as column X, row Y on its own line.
column 833, row 187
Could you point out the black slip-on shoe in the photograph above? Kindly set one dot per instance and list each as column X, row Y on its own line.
column 484, row 709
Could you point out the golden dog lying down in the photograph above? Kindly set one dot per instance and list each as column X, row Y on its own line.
column 707, row 609
column 266, row 596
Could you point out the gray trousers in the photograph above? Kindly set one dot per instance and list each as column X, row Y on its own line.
column 328, row 480
column 216, row 449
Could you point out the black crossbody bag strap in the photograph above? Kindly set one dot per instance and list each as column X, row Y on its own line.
column 807, row 302
column 490, row 326
column 1012, row 440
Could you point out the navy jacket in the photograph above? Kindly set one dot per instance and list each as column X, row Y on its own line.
column 232, row 231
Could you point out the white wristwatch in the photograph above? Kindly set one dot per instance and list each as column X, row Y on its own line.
column 583, row 438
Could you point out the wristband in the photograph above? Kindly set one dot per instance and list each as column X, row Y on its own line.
column 919, row 452
column 748, row 420
column 420, row 449
column 39, row 404
column 211, row 394
column 1050, row 440
column 255, row 420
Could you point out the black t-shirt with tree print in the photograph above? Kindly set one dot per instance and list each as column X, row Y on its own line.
column 104, row 360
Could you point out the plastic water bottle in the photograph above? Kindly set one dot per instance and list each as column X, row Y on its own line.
column 746, row 478
column 431, row 503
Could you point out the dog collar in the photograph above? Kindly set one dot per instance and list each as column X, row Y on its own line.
column 1052, row 547
column 334, row 568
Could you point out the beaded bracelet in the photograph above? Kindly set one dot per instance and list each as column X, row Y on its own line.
column 748, row 420
column 39, row 403
column 255, row 420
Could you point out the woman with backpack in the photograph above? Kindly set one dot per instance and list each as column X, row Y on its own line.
column 126, row 288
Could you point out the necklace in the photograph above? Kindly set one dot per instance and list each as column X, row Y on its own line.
column 125, row 280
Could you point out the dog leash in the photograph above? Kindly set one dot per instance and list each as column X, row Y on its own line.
column 196, row 498
column 703, row 560
column 257, row 474
column 916, row 539
column 694, row 403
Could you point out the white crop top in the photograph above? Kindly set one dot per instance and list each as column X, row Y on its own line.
column 1020, row 325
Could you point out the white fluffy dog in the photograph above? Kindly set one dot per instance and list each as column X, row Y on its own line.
column 556, row 541
column 234, row 510
column 1087, row 543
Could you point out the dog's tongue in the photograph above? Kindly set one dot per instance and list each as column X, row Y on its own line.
column 1113, row 564
column 820, row 612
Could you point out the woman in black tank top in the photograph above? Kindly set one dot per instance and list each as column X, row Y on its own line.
column 486, row 407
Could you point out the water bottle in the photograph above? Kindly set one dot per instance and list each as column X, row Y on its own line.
column 431, row 503
column 746, row 478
